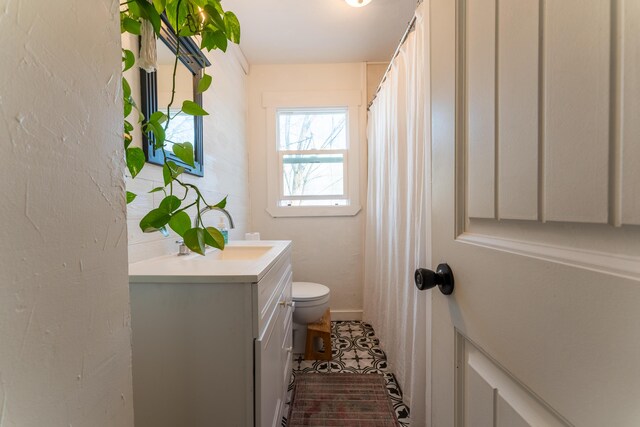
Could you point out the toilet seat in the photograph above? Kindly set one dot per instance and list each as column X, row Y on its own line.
column 309, row 292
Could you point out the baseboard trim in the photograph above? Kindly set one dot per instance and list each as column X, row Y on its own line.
column 342, row 315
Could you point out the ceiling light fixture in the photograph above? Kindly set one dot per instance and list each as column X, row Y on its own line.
column 357, row 3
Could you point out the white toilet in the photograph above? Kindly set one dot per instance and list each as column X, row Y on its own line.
column 311, row 300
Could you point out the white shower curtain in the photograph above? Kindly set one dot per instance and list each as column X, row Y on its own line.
column 398, row 217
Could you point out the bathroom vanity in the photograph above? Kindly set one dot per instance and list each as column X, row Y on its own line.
column 212, row 336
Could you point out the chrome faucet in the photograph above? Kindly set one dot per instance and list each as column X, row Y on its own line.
column 213, row 208
column 182, row 249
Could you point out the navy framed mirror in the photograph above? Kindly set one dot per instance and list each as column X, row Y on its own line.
column 156, row 95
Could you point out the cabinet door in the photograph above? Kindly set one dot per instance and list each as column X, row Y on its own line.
column 286, row 355
column 273, row 358
column 268, row 371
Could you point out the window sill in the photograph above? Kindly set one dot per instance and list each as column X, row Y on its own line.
column 302, row 211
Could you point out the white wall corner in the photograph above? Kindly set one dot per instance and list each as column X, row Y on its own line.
column 237, row 52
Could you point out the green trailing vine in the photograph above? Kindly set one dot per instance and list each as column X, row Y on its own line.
column 215, row 28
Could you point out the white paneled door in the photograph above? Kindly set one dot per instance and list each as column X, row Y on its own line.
column 536, row 208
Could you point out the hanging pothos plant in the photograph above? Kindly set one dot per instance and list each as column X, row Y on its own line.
column 215, row 27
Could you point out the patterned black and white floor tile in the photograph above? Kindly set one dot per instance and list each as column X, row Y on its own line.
column 355, row 349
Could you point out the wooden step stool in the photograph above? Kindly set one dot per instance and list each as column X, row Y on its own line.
column 322, row 330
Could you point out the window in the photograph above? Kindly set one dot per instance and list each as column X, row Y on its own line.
column 314, row 159
column 312, row 148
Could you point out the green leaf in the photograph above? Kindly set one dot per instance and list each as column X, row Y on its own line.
column 170, row 171
column 148, row 12
column 126, row 89
column 217, row 6
column 193, row 109
column 177, row 16
column 158, row 117
column 134, row 10
column 204, row 83
column 158, row 132
column 222, row 203
column 128, row 139
column 180, row 223
column 214, row 238
column 155, row 190
column 135, row 160
column 131, row 197
column 177, row 170
column 188, row 31
column 154, row 220
column 215, row 15
column 170, row 204
column 128, row 107
column 160, row 5
column 184, row 151
column 166, row 175
column 232, row 27
column 128, row 127
column 214, row 39
column 128, row 59
column 194, row 239
column 130, row 26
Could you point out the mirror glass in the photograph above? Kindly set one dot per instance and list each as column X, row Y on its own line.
column 182, row 127
column 156, row 96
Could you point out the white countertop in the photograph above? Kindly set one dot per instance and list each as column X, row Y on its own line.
column 211, row 268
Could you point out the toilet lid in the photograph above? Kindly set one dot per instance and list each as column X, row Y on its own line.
column 308, row 291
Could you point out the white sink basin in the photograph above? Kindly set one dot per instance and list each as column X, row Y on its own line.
column 239, row 253
column 240, row 261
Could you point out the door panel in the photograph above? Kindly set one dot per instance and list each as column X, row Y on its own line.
column 518, row 90
column 493, row 398
column 548, row 281
column 576, row 48
column 481, row 100
column 628, row 82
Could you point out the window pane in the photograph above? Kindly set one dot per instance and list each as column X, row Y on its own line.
column 313, row 174
column 312, row 130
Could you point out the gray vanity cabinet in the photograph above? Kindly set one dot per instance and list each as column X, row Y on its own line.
column 212, row 354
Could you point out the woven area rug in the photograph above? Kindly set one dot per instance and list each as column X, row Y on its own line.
column 345, row 400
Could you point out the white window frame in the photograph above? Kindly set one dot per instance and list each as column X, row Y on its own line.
column 283, row 101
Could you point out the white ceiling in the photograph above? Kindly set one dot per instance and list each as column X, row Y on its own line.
column 319, row 31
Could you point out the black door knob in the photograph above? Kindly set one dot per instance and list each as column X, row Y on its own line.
column 443, row 277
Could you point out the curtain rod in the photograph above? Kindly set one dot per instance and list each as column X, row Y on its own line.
column 410, row 27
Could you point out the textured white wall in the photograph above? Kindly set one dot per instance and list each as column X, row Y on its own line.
column 327, row 250
column 225, row 163
column 375, row 72
column 65, row 352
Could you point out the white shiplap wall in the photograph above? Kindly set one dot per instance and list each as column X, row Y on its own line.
column 225, row 152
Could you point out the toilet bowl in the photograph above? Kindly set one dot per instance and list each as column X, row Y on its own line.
column 311, row 301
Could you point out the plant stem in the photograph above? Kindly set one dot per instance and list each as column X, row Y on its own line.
column 175, row 66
